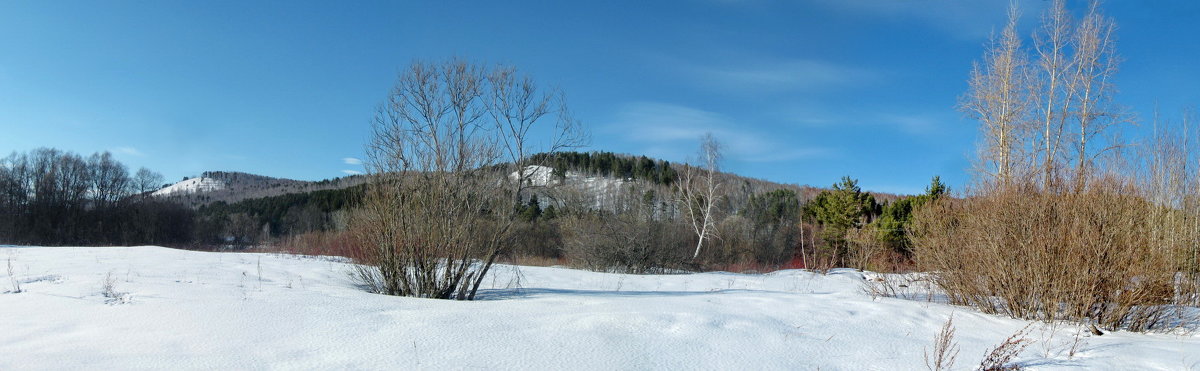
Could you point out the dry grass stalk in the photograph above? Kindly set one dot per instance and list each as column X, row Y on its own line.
column 1000, row 358
column 945, row 349
column 12, row 277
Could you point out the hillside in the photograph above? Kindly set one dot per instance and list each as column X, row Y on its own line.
column 231, row 187
column 196, row 310
column 596, row 177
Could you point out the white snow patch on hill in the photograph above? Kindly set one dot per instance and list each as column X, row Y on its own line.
column 191, row 186
column 535, row 175
column 603, row 191
column 198, row 310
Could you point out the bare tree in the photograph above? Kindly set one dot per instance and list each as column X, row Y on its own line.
column 1093, row 64
column 145, row 181
column 110, row 179
column 997, row 98
column 1050, row 89
column 439, row 210
column 699, row 188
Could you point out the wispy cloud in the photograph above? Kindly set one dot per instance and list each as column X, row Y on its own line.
column 780, row 75
column 351, row 161
column 962, row 19
column 911, row 123
column 352, row 172
column 128, row 151
column 673, row 131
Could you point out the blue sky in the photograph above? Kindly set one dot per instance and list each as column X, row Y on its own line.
column 799, row 91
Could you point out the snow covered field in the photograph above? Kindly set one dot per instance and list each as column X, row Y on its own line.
column 197, row 310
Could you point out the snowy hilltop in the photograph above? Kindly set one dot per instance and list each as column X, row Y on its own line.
column 191, row 186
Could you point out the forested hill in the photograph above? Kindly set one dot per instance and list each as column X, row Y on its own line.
column 231, row 187
column 271, row 199
column 287, row 214
column 661, row 172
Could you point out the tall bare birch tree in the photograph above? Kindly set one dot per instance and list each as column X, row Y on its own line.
column 699, row 188
column 997, row 98
column 1050, row 89
column 1093, row 64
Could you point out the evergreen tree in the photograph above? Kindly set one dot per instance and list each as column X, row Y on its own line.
column 532, row 210
column 892, row 225
column 839, row 210
column 936, row 188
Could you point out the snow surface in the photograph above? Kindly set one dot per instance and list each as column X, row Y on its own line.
column 201, row 310
column 191, row 186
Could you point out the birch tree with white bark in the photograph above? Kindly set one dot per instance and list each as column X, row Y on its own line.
column 699, row 189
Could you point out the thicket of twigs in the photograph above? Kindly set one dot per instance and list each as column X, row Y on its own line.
column 1101, row 256
column 1066, row 221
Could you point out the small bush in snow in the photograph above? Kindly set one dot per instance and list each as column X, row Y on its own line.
column 110, row 291
column 12, row 277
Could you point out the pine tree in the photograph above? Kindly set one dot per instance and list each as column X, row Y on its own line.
column 844, row 208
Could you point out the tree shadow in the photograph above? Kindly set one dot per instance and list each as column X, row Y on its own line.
column 529, row 293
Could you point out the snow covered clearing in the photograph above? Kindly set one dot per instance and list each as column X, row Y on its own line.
column 153, row 307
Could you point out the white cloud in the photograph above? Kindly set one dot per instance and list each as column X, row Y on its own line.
column 673, row 132
column 128, row 151
column 352, row 172
column 351, row 161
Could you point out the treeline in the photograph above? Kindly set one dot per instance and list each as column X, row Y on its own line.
column 608, row 164
column 52, row 197
column 264, row 219
column 645, row 231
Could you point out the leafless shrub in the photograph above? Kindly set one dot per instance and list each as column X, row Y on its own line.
column 448, row 161
column 635, row 240
column 945, row 349
column 1000, row 357
column 880, row 286
column 1084, row 257
column 865, row 250
column 903, row 286
column 1077, row 343
column 1105, row 235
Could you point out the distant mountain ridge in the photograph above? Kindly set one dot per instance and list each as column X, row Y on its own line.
column 598, row 175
